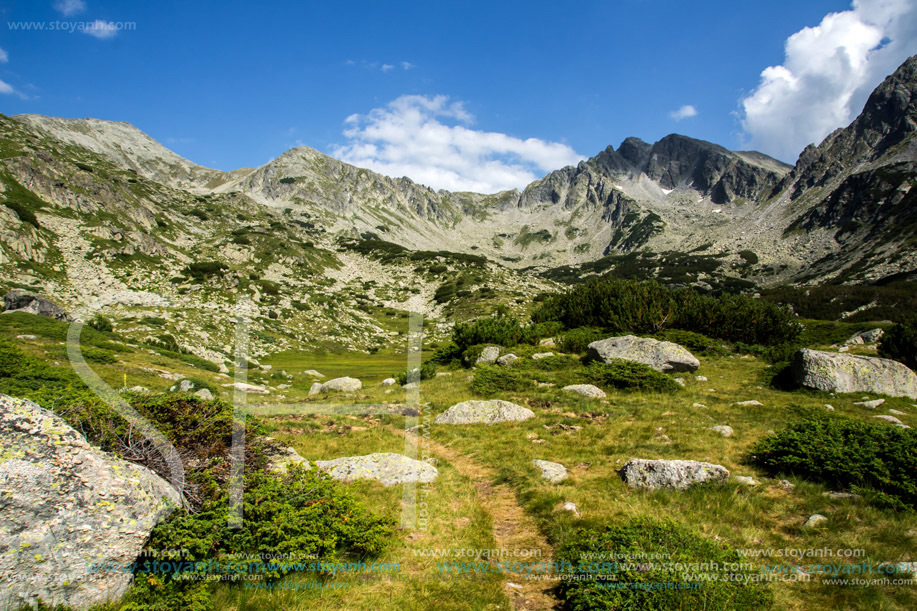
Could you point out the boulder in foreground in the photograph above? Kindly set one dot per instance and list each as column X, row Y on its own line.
column 21, row 301
column 484, row 412
column 833, row 372
column 661, row 356
column 677, row 474
column 66, row 505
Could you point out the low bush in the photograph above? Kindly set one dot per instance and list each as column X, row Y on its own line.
column 694, row 342
column 501, row 330
column 876, row 460
column 577, row 340
column 627, row 375
column 100, row 323
column 205, row 269
column 424, row 372
column 596, row 577
column 900, row 343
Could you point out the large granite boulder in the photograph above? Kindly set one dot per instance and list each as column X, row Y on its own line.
column 342, row 385
column 661, row 356
column 833, row 372
column 484, row 412
column 677, row 474
column 21, row 301
column 386, row 468
column 865, row 337
column 65, row 506
column 488, row 355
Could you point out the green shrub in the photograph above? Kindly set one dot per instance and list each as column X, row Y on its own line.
column 205, row 269
column 694, row 342
column 501, row 330
column 153, row 320
column 424, row 372
column 900, row 343
column 287, row 180
column 492, row 380
column 552, row 363
column 447, row 354
column 547, row 329
column 749, row 257
column 619, row 568
column 627, row 375
column 577, row 340
column 876, row 460
column 97, row 355
column 100, row 323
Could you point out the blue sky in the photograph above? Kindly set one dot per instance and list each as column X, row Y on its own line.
column 479, row 95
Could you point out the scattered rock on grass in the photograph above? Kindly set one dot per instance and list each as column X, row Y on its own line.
column 507, row 360
column 344, row 384
column 586, row 390
column 388, row 381
column 814, row 520
column 661, row 356
column 724, row 430
column 853, row 373
column 484, row 412
column 488, row 355
column 551, row 471
column 871, row 404
column 386, row 468
column 677, row 474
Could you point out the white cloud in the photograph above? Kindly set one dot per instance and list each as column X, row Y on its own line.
column 387, row 67
column 69, row 7
column 411, row 137
column 407, row 65
column 684, row 112
column 4, row 57
column 6, row 88
column 102, row 29
column 827, row 74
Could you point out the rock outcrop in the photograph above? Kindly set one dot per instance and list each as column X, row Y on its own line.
column 586, row 390
column 484, row 412
column 834, row 372
column 65, row 506
column 661, row 356
column 21, row 301
column 677, row 474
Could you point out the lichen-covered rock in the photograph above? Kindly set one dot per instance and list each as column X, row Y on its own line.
column 724, row 430
column 315, row 389
column 313, row 373
column 507, row 360
column 204, row 394
column 21, row 301
column 552, row 471
column 389, row 381
column 865, row 337
column 488, row 355
column 870, row 404
column 65, row 505
column 344, row 384
column 586, row 390
column 661, row 356
column 249, row 388
column 853, row 373
column 484, row 412
column 814, row 520
column 283, row 457
column 386, row 468
column 677, row 474
column 542, row 355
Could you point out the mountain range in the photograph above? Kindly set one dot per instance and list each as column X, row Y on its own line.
column 96, row 209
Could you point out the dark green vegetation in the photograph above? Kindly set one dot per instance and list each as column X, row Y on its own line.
column 632, row 566
column 391, row 252
column 900, row 342
column 852, row 303
column 424, row 372
column 875, row 460
column 627, row 375
column 648, row 307
column 500, row 330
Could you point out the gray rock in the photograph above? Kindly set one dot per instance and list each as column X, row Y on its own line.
column 853, row 373
column 891, row 419
column 313, row 373
column 410, row 385
column 724, row 430
column 249, row 388
column 840, row 495
column 185, row 385
column 386, row 468
column 571, row 506
column 787, row 484
column 223, row 368
column 507, row 360
column 21, row 301
column 284, row 457
column 139, row 389
column 870, row 404
column 897, row 412
column 661, row 356
column 484, row 412
column 204, row 394
column 27, row 337
column 745, row 480
column 586, row 390
column 828, row 407
column 701, row 378
column 542, row 355
column 389, row 381
column 865, row 337
column 548, row 341
column 677, row 474
column 552, row 471
column 488, row 355
column 752, row 403
column 315, row 389
column 344, row 384
column 680, row 382
column 66, row 504
column 814, row 520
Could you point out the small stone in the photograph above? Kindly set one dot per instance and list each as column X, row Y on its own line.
column 814, row 520
column 752, row 403
column 787, row 484
column 897, row 412
column 542, row 355
column 315, row 389
column 840, row 495
column 571, row 506
column 388, row 381
column 586, row 390
column 698, row 405
column 828, row 407
column 507, row 360
column 204, row 394
column 871, row 404
column 551, row 471
column 745, row 480
column 701, row 378
column 313, row 373
column 680, row 382
column 891, row 419
column 724, row 430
